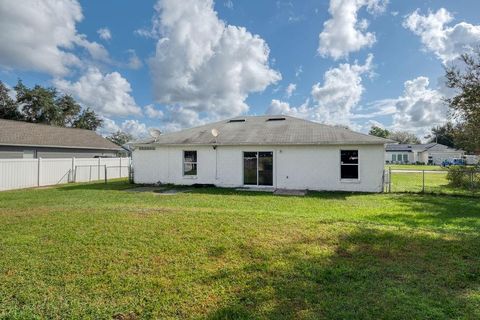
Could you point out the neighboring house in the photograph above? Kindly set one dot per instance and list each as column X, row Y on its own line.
column 279, row 152
column 20, row 139
column 430, row 153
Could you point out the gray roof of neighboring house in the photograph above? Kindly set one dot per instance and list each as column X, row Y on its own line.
column 418, row 147
column 262, row 130
column 19, row 133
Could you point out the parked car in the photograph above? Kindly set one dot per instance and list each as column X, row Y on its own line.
column 453, row 162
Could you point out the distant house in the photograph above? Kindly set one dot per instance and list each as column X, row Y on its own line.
column 20, row 139
column 277, row 152
column 430, row 153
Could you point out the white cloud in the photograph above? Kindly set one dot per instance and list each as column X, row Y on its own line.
column 108, row 93
column 418, row 109
column 334, row 101
column 298, row 71
column 151, row 112
column 341, row 92
column 447, row 43
column 228, row 4
column 203, row 65
column 278, row 107
column 40, row 35
column 343, row 33
column 290, row 89
column 134, row 61
column 104, row 33
column 135, row 128
column 96, row 50
column 108, row 127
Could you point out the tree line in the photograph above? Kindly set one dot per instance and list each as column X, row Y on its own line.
column 46, row 105
column 462, row 130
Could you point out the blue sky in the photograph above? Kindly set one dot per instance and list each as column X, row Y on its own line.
column 174, row 64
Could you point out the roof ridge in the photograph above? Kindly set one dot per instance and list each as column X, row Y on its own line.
column 45, row 125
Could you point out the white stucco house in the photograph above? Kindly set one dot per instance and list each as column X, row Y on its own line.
column 430, row 153
column 279, row 152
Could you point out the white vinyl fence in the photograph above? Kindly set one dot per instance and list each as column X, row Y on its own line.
column 26, row 173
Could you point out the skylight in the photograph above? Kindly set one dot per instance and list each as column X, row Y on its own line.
column 236, row 120
column 275, row 119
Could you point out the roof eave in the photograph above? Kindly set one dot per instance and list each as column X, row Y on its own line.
column 58, row 146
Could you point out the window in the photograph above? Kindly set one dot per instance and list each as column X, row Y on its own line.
column 349, row 164
column 258, row 168
column 29, row 154
column 405, row 158
column 146, row 148
column 394, row 157
column 189, row 163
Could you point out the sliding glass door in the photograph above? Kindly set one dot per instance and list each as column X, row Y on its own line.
column 258, row 168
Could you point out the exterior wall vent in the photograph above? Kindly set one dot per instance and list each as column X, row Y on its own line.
column 275, row 119
column 236, row 120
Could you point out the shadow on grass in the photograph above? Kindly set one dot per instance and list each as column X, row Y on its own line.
column 123, row 184
column 436, row 211
column 372, row 274
column 116, row 184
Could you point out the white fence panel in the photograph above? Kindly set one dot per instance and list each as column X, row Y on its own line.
column 18, row 173
column 87, row 170
column 26, row 173
column 55, row 171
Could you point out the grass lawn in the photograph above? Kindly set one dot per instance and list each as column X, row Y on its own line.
column 96, row 251
column 414, row 167
column 435, row 182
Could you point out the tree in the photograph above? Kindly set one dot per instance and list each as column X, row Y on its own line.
column 379, row 132
column 404, row 137
column 88, row 119
column 45, row 105
column 120, row 138
column 444, row 135
column 8, row 106
column 465, row 105
column 38, row 104
column 69, row 108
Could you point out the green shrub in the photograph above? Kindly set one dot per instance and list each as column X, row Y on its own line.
column 464, row 177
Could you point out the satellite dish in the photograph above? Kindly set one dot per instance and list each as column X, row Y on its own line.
column 215, row 132
column 155, row 133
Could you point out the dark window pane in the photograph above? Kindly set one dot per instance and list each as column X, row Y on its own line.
column 250, row 168
column 190, row 156
column 190, row 169
column 349, row 156
column 349, row 172
column 265, row 168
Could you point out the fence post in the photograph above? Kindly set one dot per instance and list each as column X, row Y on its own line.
column 98, row 169
column 105, row 166
column 120, row 167
column 72, row 179
column 39, row 165
column 472, row 181
column 389, row 179
column 423, row 181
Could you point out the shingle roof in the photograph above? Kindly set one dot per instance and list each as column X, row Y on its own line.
column 32, row 134
column 417, row 147
column 261, row 130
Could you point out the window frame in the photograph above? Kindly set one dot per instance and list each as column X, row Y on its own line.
column 352, row 180
column 189, row 162
column 274, row 181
